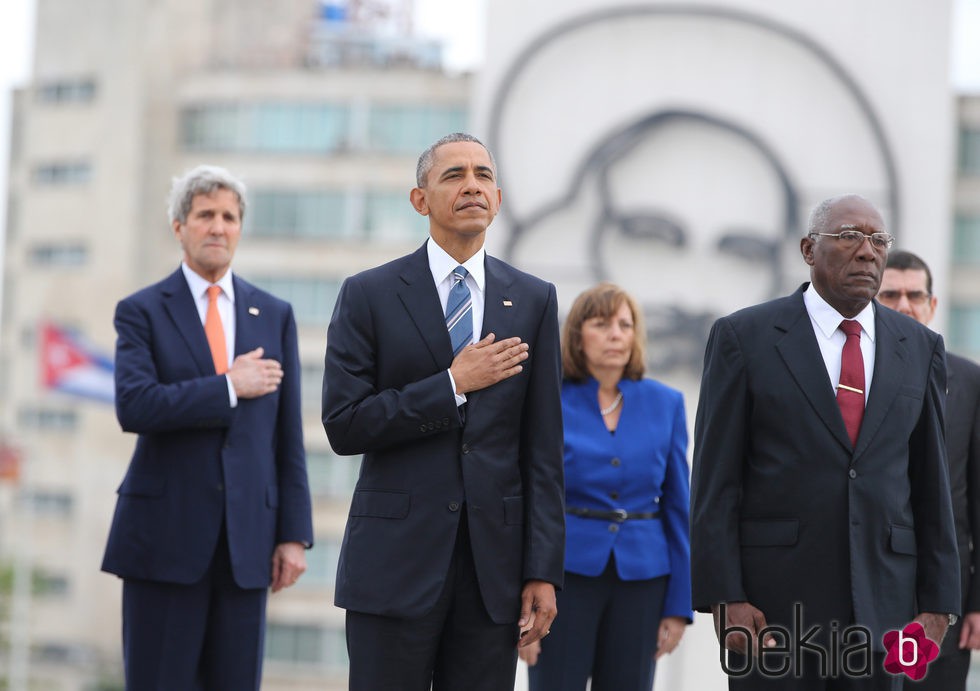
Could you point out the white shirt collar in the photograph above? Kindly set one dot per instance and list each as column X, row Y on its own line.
column 441, row 264
column 199, row 285
column 828, row 319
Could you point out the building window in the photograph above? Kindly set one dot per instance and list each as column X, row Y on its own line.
column 312, row 298
column 67, row 91
column 305, row 644
column 966, row 240
column 50, row 584
column 48, row 502
column 266, row 127
column 48, row 419
column 321, row 564
column 964, row 329
column 58, row 255
column 389, row 216
column 332, row 476
column 410, row 129
column 298, row 214
column 970, row 151
column 67, row 173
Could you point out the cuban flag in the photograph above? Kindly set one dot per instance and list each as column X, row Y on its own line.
column 71, row 365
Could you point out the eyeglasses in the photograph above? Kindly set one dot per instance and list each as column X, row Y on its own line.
column 893, row 297
column 853, row 238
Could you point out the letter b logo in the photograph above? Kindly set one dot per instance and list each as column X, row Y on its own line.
column 902, row 641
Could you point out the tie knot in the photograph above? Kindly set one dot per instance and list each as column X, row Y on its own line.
column 459, row 273
column 851, row 327
column 213, row 292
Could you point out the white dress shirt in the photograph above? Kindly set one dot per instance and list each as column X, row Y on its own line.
column 441, row 265
column 826, row 327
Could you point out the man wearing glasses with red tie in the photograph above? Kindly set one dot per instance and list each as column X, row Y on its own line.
column 820, row 495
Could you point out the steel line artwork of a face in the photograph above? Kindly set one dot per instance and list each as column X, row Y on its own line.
column 675, row 151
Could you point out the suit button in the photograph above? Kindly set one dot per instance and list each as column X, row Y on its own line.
column 466, row 448
column 454, row 506
column 852, row 473
column 445, row 422
column 422, row 428
column 431, row 426
column 614, row 495
column 616, row 462
column 613, row 528
column 220, row 487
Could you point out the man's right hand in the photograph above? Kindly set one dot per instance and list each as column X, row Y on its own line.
column 252, row 376
column 484, row 363
column 745, row 615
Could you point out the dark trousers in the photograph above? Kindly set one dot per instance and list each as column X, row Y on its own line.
column 455, row 647
column 880, row 680
column 947, row 672
column 606, row 629
column 200, row 637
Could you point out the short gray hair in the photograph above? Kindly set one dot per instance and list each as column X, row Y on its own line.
column 428, row 156
column 202, row 180
column 820, row 214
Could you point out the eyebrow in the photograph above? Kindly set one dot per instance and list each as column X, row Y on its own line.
column 459, row 169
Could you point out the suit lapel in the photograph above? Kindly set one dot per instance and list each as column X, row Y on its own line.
column 499, row 307
column 799, row 350
column 420, row 299
column 247, row 331
column 179, row 303
column 891, row 358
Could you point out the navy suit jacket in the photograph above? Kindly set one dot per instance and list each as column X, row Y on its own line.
column 199, row 463
column 387, row 395
column 784, row 510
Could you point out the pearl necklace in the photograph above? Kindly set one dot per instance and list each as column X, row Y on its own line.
column 615, row 404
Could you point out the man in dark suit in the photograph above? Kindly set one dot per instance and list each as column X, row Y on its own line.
column 215, row 505
column 813, row 512
column 454, row 543
column 906, row 287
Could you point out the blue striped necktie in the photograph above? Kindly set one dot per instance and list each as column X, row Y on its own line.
column 459, row 312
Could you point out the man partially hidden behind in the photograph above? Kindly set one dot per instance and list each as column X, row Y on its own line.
column 215, row 506
column 442, row 368
column 907, row 288
column 820, row 494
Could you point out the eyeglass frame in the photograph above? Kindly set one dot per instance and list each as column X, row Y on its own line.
column 915, row 297
column 889, row 238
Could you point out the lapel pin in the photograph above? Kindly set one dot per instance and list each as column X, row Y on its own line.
column 508, row 303
column 254, row 311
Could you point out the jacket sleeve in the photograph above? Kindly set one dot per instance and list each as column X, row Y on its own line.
column 145, row 402
column 542, row 456
column 295, row 522
column 357, row 415
column 938, row 571
column 971, row 589
column 675, row 505
column 716, row 481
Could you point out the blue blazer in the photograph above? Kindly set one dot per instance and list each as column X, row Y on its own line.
column 387, row 394
column 640, row 468
column 199, row 463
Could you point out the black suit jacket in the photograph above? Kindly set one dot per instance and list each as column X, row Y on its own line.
column 784, row 510
column 387, row 394
column 963, row 445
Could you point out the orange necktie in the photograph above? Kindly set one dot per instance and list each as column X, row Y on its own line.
column 216, row 332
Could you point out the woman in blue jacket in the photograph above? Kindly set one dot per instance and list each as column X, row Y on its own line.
column 627, row 592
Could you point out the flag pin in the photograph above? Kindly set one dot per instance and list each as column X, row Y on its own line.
column 254, row 311
column 508, row 303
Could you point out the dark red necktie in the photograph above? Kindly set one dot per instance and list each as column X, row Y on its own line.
column 850, row 390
